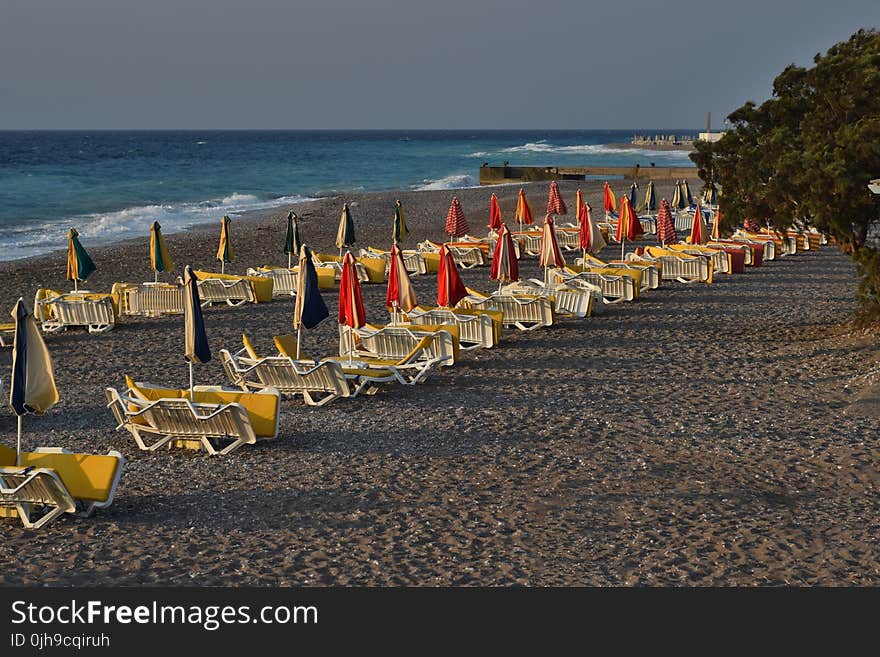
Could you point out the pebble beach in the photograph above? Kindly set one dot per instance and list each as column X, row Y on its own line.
column 704, row 435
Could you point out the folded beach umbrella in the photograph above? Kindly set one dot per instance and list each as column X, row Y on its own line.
column 159, row 258
column 196, row 349
column 399, row 231
column 665, row 226
column 224, row 250
column 591, row 237
column 609, row 200
column 650, row 202
column 751, row 225
column 351, row 304
column 523, row 210
column 33, row 380
column 309, row 309
column 292, row 241
column 550, row 255
column 505, row 267
column 345, row 232
column 456, row 224
column 555, row 204
column 710, row 196
column 686, row 192
column 578, row 204
column 716, row 225
column 401, row 293
column 678, row 200
column 628, row 225
column 699, row 231
column 494, row 214
column 79, row 264
column 450, row 289
column 633, row 195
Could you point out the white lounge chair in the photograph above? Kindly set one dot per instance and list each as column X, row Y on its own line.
column 220, row 290
column 283, row 280
column 397, row 342
column 51, row 481
column 413, row 261
column 318, row 383
column 567, row 300
column 218, row 428
column 525, row 312
column 614, row 288
column 150, row 299
column 473, row 330
column 57, row 313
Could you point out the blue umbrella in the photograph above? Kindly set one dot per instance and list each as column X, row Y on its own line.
column 310, row 308
column 633, row 192
column 196, row 340
column 33, row 380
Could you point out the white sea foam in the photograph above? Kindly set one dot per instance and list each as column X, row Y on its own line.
column 544, row 147
column 455, row 181
column 105, row 227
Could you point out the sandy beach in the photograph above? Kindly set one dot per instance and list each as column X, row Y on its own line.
column 703, row 435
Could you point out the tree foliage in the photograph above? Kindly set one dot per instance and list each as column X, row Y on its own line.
column 805, row 156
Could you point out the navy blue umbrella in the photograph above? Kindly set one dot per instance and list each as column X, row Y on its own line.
column 197, row 349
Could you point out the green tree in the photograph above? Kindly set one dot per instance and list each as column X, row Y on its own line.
column 805, row 156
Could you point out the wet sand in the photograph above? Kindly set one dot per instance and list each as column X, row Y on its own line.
column 704, row 435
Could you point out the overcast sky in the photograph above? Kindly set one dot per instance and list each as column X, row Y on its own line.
column 402, row 63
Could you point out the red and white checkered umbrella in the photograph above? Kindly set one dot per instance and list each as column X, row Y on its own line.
column 555, row 204
column 456, row 224
column 665, row 226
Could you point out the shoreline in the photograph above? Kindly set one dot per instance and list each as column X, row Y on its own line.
column 651, row 147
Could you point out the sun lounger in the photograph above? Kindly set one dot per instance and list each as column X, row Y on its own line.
column 317, row 383
column 720, row 259
column 411, row 369
column 567, row 300
column 413, row 261
column 218, row 428
column 525, row 312
column 474, row 330
column 675, row 266
column 614, row 288
column 369, row 269
column 394, row 342
column 529, row 242
column 51, row 481
column 283, row 280
column 466, row 256
column 150, row 299
column 7, row 335
column 57, row 312
column 230, row 292
column 649, row 273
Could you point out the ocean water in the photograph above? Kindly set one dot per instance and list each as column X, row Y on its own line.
column 113, row 185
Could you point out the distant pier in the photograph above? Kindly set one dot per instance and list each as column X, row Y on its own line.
column 490, row 175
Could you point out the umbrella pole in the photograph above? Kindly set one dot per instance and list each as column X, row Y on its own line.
column 288, row 260
column 222, row 267
column 190, row 381
column 350, row 345
column 622, row 247
column 298, row 337
column 155, row 275
column 18, row 444
column 75, row 288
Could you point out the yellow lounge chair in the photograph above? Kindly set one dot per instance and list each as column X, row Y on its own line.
column 51, row 481
column 526, row 312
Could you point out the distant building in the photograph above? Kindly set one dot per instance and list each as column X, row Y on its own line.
column 710, row 136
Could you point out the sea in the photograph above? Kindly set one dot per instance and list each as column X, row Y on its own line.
column 112, row 185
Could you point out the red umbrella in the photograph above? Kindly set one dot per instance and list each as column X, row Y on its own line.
column 555, row 204
column 494, row 214
column 699, row 232
column 505, row 267
column 550, row 255
column 351, row 304
column 591, row 237
column 456, row 224
column 609, row 200
column 400, row 292
column 523, row 210
column 665, row 226
column 450, row 289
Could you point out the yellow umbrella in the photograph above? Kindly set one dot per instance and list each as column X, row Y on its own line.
column 224, row 252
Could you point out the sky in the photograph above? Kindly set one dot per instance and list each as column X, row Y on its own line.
column 407, row 64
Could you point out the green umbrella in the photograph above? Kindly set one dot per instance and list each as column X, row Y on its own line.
column 345, row 233
column 292, row 243
column 79, row 264
column 400, row 230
